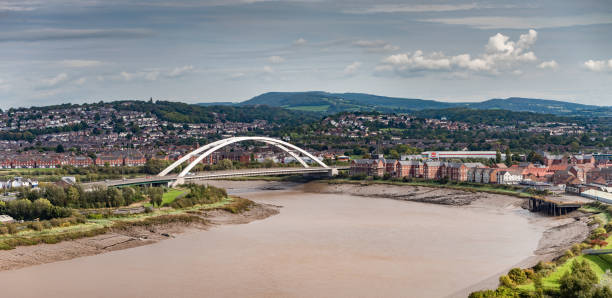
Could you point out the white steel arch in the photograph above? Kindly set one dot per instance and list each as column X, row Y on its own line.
column 214, row 146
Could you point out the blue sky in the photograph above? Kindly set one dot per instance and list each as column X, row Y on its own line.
column 57, row 51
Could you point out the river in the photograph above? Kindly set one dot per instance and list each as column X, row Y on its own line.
column 320, row 245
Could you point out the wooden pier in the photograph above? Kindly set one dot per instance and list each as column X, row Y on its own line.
column 556, row 206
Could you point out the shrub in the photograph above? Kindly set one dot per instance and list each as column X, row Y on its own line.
column 517, row 275
column 608, row 226
column 530, row 274
column 36, row 226
column 12, row 228
column 95, row 216
column 239, row 205
column 4, row 230
column 505, row 281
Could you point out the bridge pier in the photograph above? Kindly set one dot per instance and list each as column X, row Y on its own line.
column 177, row 182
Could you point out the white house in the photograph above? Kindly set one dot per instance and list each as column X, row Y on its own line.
column 508, row 177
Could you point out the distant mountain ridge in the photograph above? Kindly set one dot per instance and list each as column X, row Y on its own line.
column 328, row 103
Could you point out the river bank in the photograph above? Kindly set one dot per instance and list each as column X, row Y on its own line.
column 335, row 238
column 559, row 233
column 126, row 237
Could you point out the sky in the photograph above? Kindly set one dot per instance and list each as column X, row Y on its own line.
column 60, row 51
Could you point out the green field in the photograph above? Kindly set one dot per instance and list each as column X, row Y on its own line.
column 169, row 196
column 320, row 108
column 96, row 226
column 599, row 264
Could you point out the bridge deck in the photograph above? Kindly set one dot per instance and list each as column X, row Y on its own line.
column 213, row 175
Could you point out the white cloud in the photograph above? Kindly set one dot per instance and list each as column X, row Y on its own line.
column 352, row 68
column 397, row 8
column 45, row 34
column 375, row 45
column 276, row 59
column 501, row 54
column 4, row 85
column 149, row 75
column 501, row 22
column 54, row 81
column 300, row 41
column 11, row 5
column 154, row 74
column 598, row 65
column 179, row 71
column 237, row 75
column 80, row 63
column 268, row 69
column 552, row 64
column 80, row 81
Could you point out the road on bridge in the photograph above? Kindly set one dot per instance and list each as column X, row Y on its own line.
column 209, row 175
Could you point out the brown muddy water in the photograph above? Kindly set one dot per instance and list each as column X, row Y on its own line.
column 320, row 245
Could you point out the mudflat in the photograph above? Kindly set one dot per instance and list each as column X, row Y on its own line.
column 322, row 243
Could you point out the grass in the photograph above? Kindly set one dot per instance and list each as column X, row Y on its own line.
column 319, row 108
column 95, row 227
column 599, row 264
column 170, row 196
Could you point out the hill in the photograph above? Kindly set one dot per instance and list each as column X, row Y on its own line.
column 329, row 103
column 542, row 106
column 319, row 101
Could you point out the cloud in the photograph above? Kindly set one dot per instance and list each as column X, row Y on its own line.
column 179, row 71
column 54, row 81
column 501, row 22
column 80, row 63
column 276, row 59
column 501, row 54
column 299, row 42
column 598, row 65
column 237, row 76
column 149, row 75
column 397, row 8
column 375, row 45
column 352, row 68
column 16, row 6
column 80, row 81
column 4, row 85
column 267, row 69
column 64, row 34
column 552, row 64
column 153, row 74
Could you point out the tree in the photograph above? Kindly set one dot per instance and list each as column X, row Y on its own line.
column 225, row 164
column 156, row 195
column 59, row 148
column 533, row 156
column 394, row 154
column 72, row 195
column 498, row 157
column 508, row 157
column 580, row 282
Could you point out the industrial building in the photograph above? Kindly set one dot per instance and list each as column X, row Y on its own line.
column 460, row 154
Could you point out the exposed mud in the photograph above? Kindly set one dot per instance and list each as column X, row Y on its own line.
column 24, row 256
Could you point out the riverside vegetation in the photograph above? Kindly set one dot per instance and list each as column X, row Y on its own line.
column 53, row 214
column 574, row 274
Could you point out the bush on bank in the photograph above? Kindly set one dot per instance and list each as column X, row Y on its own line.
column 24, row 209
column 199, row 194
